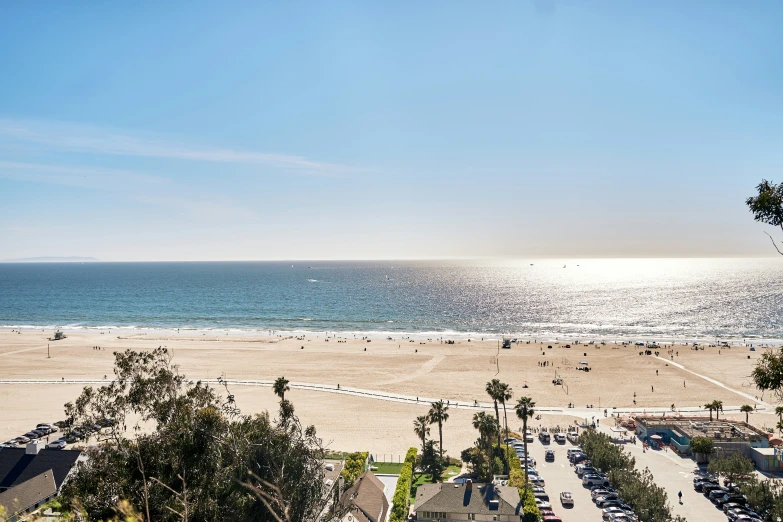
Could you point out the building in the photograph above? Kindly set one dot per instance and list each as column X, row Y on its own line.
column 18, row 465
column 468, row 501
column 365, row 501
column 677, row 432
column 727, row 436
column 27, row 496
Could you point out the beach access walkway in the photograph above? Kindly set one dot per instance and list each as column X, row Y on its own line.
column 426, row 401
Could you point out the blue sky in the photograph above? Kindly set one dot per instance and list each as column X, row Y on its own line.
column 335, row 130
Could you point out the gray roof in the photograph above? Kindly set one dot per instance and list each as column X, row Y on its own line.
column 28, row 493
column 16, row 466
column 459, row 498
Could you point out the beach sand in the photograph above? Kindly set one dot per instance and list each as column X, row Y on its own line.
column 420, row 368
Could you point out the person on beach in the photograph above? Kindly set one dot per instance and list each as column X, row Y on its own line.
column 680, row 496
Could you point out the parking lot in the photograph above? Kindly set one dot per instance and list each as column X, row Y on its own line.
column 560, row 476
column 671, row 472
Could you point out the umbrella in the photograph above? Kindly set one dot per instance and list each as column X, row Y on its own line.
column 656, row 437
column 775, row 441
column 583, row 362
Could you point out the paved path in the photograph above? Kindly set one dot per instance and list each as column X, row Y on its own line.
column 409, row 399
column 763, row 404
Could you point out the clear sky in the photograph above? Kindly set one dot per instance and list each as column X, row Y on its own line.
column 402, row 129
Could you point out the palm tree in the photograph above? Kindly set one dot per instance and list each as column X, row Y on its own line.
column 487, row 427
column 422, row 428
column 779, row 413
column 280, row 387
column 438, row 416
column 710, row 406
column 495, row 391
column 746, row 409
column 525, row 411
column 506, row 394
column 718, row 408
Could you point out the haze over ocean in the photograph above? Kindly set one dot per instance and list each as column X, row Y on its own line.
column 632, row 299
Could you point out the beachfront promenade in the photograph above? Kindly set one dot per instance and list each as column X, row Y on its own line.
column 583, row 412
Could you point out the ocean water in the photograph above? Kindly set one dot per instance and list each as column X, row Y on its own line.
column 632, row 299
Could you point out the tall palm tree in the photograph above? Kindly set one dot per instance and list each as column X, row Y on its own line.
column 506, row 394
column 710, row 406
column 525, row 411
column 422, row 428
column 487, row 427
column 746, row 409
column 495, row 391
column 718, row 408
column 280, row 387
column 438, row 416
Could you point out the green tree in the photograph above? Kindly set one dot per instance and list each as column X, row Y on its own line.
column 702, row 446
column 421, row 428
column 746, row 409
column 438, row 415
column 280, row 387
column 767, row 206
column 197, row 454
column 525, row 411
column 736, row 467
column 768, row 373
column 718, row 408
column 431, row 462
column 487, row 427
column 495, row 392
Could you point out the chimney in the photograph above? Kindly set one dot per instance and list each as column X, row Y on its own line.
column 33, row 448
column 469, row 485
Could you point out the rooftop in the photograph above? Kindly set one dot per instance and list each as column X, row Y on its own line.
column 16, row 466
column 719, row 430
column 478, row 499
column 29, row 493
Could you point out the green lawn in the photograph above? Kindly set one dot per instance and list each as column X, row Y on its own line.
column 387, row 468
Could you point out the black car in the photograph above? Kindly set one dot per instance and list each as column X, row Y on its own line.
column 716, row 493
column 706, row 488
column 699, row 486
column 549, row 456
column 731, row 498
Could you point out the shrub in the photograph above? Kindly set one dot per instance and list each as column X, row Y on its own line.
column 355, row 464
column 402, row 494
column 411, row 456
column 530, row 511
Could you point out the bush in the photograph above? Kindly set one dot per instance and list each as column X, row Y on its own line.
column 530, row 511
column 402, row 494
column 355, row 464
column 411, row 456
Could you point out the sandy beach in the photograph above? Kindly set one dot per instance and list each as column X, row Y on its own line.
column 414, row 368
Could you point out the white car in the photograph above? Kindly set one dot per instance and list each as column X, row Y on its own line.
column 605, row 513
column 58, row 444
column 537, row 481
column 542, row 504
column 566, row 499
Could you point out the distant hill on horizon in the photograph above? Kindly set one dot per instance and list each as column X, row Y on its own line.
column 51, row 259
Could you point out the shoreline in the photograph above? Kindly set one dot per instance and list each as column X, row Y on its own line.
column 523, row 338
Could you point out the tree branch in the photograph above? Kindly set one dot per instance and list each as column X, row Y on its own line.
column 774, row 244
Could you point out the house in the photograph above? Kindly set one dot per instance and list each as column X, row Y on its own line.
column 27, row 496
column 365, row 501
column 677, row 432
column 18, row 465
column 468, row 501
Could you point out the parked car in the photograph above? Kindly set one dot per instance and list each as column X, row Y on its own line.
column 730, row 498
column 610, row 510
column 560, row 438
column 32, row 435
column 566, row 499
column 57, row 445
column 537, row 481
column 22, row 440
column 592, row 480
